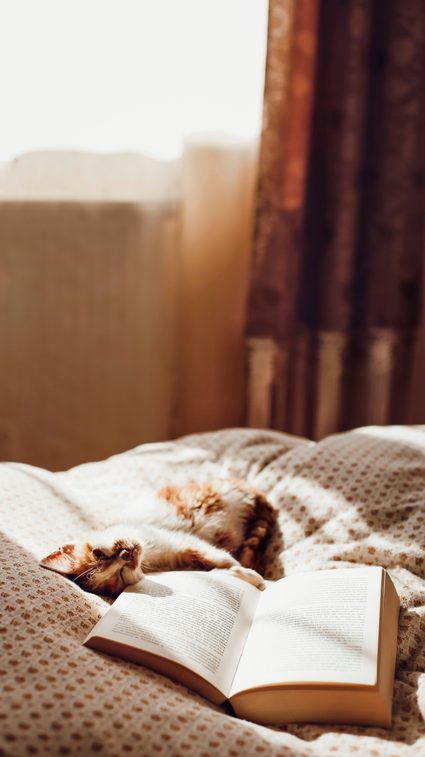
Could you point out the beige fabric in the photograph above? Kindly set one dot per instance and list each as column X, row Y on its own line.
column 119, row 309
column 353, row 498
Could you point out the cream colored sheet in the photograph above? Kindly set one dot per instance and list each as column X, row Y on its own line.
column 351, row 499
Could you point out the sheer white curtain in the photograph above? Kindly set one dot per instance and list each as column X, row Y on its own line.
column 150, row 109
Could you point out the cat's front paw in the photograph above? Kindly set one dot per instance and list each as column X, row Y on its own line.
column 131, row 576
column 248, row 575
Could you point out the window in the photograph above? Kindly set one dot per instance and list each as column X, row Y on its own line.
column 112, row 76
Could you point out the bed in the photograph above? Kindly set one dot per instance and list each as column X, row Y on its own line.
column 356, row 497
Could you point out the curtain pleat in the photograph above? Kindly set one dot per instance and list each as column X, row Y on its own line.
column 273, row 299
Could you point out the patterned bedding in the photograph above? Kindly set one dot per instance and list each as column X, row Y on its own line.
column 356, row 497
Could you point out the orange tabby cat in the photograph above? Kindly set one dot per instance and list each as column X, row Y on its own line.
column 219, row 524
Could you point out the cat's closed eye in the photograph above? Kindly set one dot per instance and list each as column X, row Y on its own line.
column 100, row 555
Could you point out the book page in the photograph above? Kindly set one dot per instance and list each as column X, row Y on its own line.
column 199, row 620
column 315, row 627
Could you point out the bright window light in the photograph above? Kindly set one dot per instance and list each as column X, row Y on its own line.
column 128, row 75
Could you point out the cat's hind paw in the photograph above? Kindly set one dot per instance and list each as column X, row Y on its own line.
column 248, row 575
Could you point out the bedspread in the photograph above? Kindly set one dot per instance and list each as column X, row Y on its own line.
column 356, row 497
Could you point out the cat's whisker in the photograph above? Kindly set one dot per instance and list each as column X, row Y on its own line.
column 89, row 570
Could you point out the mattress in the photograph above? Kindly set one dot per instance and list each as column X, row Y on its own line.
column 353, row 498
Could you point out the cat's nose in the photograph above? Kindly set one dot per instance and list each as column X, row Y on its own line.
column 126, row 554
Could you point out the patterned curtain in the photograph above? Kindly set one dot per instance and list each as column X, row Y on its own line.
column 338, row 245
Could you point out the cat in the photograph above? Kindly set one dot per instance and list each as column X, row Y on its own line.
column 220, row 524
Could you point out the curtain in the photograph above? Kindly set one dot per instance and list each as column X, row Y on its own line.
column 122, row 294
column 335, row 287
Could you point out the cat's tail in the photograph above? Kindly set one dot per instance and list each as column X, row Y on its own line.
column 259, row 526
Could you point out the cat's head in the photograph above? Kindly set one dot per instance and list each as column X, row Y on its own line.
column 105, row 564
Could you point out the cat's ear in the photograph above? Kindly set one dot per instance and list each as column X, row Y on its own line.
column 64, row 560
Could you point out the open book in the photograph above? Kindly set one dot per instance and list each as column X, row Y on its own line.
column 316, row 646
